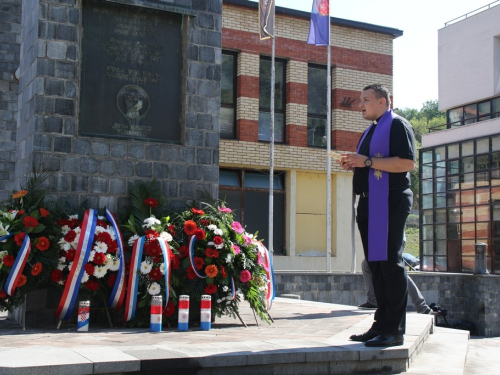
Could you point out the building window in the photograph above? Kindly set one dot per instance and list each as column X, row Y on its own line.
column 265, row 99
column 247, row 194
column 228, row 95
column 460, row 204
column 316, row 105
column 474, row 112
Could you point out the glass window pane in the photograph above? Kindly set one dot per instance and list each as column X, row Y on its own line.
column 453, row 167
column 440, row 264
column 265, row 124
column 428, row 232
column 227, row 122
column 482, row 213
column 482, row 231
column 453, row 215
column 468, row 264
column 227, row 79
column 439, row 169
column 453, row 199
column 455, row 116
column 453, row 183
column 496, row 214
column 440, row 200
column 316, row 135
column 440, row 216
column 495, row 107
column 428, row 217
column 265, row 84
column 440, row 232
column 482, row 146
column 427, row 201
column 495, row 141
column 468, row 215
column 483, row 196
column 468, row 148
column 426, row 186
column 467, row 165
column 261, row 181
column 428, row 248
column 470, row 113
column 495, row 177
column 428, row 264
column 426, row 171
column 229, row 178
column 467, row 197
column 469, row 231
column 482, row 162
column 427, row 157
column 440, row 185
column 495, row 160
column 467, row 181
column 316, row 90
column 441, row 248
column 484, row 110
column 482, row 179
column 453, row 151
column 440, row 153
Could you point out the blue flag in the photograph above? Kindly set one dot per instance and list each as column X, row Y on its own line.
column 319, row 29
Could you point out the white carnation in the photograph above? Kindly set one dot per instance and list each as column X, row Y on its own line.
column 85, row 277
column 162, row 268
column 101, row 247
column 166, row 236
column 146, row 267
column 212, row 227
column 154, row 289
column 115, row 264
column 218, row 232
column 99, row 272
column 150, row 222
column 132, row 239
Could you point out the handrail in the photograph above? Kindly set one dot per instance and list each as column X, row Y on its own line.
column 470, row 13
column 462, row 122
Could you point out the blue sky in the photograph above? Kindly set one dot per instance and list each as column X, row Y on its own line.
column 415, row 53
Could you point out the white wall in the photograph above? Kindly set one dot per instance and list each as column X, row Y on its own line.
column 468, row 69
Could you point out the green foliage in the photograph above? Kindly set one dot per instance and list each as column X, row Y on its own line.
column 412, row 241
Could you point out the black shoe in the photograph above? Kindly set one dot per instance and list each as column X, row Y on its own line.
column 385, row 339
column 368, row 335
column 367, row 306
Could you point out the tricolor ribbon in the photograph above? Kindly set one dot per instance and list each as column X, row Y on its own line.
column 133, row 278
column 233, row 289
column 165, row 249
column 268, row 267
column 81, row 258
column 118, row 293
column 192, row 240
column 18, row 266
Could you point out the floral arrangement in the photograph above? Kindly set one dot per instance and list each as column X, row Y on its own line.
column 28, row 243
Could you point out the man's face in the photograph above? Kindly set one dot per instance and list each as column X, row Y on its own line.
column 371, row 107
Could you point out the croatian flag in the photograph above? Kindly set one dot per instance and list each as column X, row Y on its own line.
column 319, row 29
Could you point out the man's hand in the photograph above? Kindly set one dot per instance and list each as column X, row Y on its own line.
column 353, row 161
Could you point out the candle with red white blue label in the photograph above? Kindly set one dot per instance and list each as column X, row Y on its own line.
column 83, row 316
column 183, row 321
column 206, row 312
column 156, row 310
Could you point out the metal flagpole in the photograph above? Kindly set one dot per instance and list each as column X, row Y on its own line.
column 271, row 156
column 328, row 159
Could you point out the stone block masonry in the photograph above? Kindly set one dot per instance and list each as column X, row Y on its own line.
column 45, row 43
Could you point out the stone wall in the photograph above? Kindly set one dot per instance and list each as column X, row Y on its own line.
column 474, row 298
column 10, row 34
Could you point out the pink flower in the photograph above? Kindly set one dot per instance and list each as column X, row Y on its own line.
column 248, row 239
column 245, row 276
column 225, row 209
column 237, row 227
column 236, row 249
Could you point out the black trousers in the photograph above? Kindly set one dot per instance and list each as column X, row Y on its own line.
column 389, row 277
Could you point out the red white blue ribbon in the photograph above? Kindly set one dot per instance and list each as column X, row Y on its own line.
column 117, row 295
column 81, row 258
column 192, row 240
column 18, row 266
column 133, row 278
column 165, row 249
column 268, row 267
column 233, row 289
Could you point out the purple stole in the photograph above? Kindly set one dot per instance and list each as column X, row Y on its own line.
column 378, row 187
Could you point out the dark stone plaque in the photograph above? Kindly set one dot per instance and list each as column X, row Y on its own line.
column 131, row 72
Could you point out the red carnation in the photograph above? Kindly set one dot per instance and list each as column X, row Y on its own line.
column 170, row 309
column 99, row 258
column 153, row 249
column 190, row 273
column 62, row 222
column 171, row 229
column 70, row 255
column 211, row 253
column 218, row 240
column 8, row 260
column 155, row 274
column 70, row 236
column 223, row 272
column 190, row 227
column 44, row 212
column 104, row 237
column 174, row 261
column 92, row 285
column 111, row 280
column 89, row 268
column 183, row 251
column 43, row 243
column 21, row 212
column 196, row 211
column 21, row 281
column 112, row 247
column 30, row 222
column 199, row 234
column 204, row 222
column 3, row 294
column 102, row 223
column 56, row 275
column 151, row 233
column 19, row 238
column 151, row 202
column 36, row 269
column 210, row 289
column 198, row 263
column 73, row 223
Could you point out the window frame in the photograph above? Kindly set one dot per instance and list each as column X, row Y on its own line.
column 311, row 115
column 235, row 89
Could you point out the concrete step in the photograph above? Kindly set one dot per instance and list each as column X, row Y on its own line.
column 443, row 353
column 483, row 356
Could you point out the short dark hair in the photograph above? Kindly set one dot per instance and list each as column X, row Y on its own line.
column 380, row 92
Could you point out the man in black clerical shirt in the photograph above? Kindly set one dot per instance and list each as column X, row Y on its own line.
column 381, row 165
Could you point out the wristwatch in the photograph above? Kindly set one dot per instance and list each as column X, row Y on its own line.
column 368, row 162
